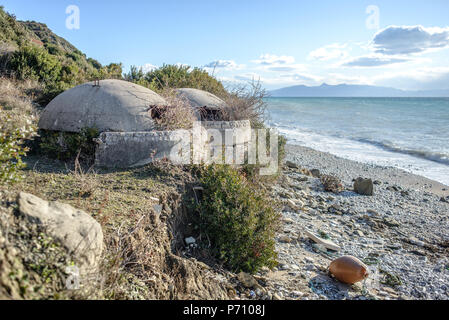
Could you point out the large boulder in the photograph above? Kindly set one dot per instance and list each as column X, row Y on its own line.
column 364, row 186
column 113, row 105
column 77, row 231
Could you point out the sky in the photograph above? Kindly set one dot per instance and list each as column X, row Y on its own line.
column 401, row 44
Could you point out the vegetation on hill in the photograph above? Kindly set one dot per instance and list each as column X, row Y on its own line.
column 30, row 50
column 176, row 76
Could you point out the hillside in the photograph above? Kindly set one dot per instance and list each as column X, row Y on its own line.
column 347, row 90
column 15, row 34
column 29, row 50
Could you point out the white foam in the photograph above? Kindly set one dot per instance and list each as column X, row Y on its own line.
column 368, row 153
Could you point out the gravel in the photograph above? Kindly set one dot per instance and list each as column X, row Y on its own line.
column 401, row 232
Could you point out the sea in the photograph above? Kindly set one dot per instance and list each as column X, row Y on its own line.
column 406, row 133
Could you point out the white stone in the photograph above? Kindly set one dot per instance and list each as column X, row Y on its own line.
column 74, row 229
column 190, row 240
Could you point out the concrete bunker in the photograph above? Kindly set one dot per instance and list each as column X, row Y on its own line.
column 124, row 115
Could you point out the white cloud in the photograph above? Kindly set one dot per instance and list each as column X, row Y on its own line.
column 429, row 78
column 250, row 76
column 223, row 64
column 410, row 39
column 301, row 77
column 329, row 52
column 338, row 78
column 148, row 67
column 180, row 64
column 372, row 61
column 272, row 59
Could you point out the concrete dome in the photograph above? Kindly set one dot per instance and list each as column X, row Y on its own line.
column 200, row 98
column 114, row 105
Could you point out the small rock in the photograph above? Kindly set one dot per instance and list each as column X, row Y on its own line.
column 359, row 233
column 284, row 239
column 190, row 240
column 292, row 204
column 326, row 243
column 315, row 172
column 309, row 259
column 372, row 212
column 297, row 293
column 247, row 280
column 291, row 165
column 276, row 297
column 416, row 242
column 310, row 267
column 331, row 183
column 157, row 208
column 391, row 222
column 299, row 203
column 364, row 186
column 288, row 221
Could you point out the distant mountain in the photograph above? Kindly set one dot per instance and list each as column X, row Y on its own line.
column 349, row 90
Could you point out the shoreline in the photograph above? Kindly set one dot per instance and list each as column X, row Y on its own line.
column 348, row 169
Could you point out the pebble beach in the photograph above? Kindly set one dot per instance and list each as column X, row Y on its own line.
column 400, row 232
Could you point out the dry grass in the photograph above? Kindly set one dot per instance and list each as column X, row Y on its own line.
column 140, row 260
column 177, row 115
column 16, row 99
column 6, row 49
column 86, row 180
column 246, row 103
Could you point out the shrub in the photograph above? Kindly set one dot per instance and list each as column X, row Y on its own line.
column 238, row 218
column 175, row 76
column 177, row 115
column 67, row 145
column 12, row 138
column 31, row 62
column 331, row 183
column 17, row 124
column 246, row 102
column 252, row 170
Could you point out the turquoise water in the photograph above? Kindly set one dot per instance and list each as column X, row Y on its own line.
column 408, row 133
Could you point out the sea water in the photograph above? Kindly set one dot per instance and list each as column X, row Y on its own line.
column 407, row 133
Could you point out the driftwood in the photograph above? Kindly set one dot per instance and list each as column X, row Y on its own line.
column 326, row 243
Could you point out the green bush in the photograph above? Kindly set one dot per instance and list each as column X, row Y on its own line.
column 12, row 149
column 238, row 218
column 67, row 145
column 252, row 170
column 175, row 76
column 31, row 62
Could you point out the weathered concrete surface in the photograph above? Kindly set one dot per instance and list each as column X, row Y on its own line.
column 76, row 230
column 241, row 130
column 115, row 105
column 128, row 149
column 203, row 142
column 199, row 98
